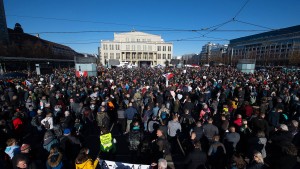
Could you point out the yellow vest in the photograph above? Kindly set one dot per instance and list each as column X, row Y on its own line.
column 106, row 141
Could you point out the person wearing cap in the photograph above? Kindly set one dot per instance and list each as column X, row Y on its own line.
column 69, row 144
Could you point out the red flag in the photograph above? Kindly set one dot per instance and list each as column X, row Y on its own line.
column 134, row 81
column 169, row 75
column 81, row 73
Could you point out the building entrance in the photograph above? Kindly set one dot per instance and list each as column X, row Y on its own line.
column 144, row 64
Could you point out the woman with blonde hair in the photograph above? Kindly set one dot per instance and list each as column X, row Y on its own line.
column 258, row 161
column 84, row 161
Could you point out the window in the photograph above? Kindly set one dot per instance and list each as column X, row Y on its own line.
column 133, row 55
column 133, row 47
column 139, row 47
column 127, row 39
column 139, row 55
column 104, row 46
column 150, row 56
column 169, row 56
column 159, row 56
column 138, row 40
column 144, row 47
column 127, row 56
column 169, row 48
column 158, row 48
column 105, row 55
column 164, row 48
column 145, row 56
column 111, row 56
column 149, row 47
column 117, row 55
column 164, row 56
column 127, row 47
column 117, row 47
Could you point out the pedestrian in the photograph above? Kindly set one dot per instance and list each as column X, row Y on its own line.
column 84, row 161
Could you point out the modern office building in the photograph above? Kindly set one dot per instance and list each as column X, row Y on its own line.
column 278, row 47
column 136, row 48
column 213, row 52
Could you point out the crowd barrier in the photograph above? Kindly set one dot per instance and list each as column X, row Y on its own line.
column 105, row 164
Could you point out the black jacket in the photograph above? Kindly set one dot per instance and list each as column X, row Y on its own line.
column 196, row 159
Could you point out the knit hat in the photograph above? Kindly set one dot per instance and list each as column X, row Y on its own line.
column 39, row 111
column 67, row 132
column 25, row 147
column 284, row 127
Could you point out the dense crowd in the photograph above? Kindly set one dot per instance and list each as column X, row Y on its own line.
column 212, row 117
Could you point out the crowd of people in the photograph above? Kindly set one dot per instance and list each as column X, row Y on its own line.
column 208, row 117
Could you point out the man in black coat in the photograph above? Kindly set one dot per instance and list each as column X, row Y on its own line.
column 197, row 158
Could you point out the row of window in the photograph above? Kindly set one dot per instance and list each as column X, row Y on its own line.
column 136, row 47
column 138, row 40
column 262, row 56
column 137, row 56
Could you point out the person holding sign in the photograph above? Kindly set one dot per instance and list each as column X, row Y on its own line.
column 107, row 143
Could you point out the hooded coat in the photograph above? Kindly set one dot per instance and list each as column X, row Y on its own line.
column 88, row 164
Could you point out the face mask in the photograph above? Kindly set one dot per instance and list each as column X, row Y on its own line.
column 92, row 107
column 57, row 109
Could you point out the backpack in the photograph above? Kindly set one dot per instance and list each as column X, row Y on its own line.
column 47, row 125
column 163, row 115
column 134, row 141
column 34, row 121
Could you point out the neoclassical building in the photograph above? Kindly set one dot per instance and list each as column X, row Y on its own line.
column 137, row 48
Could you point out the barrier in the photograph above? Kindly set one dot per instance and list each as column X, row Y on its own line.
column 105, row 164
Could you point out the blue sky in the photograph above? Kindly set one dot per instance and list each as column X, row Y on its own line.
column 174, row 20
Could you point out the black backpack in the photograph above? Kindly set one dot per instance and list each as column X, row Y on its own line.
column 47, row 125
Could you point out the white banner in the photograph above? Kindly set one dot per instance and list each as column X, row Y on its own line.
column 105, row 164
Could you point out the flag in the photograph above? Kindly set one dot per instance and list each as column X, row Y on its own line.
column 168, row 75
column 81, row 73
column 27, row 83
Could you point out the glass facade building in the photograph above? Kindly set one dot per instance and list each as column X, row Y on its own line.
column 274, row 48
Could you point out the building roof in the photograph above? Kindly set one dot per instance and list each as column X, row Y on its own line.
column 136, row 33
column 283, row 31
column 17, row 37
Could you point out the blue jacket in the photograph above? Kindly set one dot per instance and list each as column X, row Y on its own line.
column 130, row 112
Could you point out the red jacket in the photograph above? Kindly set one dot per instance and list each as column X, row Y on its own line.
column 238, row 122
column 17, row 122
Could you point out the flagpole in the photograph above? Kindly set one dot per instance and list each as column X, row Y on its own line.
column 167, row 81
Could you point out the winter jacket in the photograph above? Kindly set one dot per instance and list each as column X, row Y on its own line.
column 12, row 150
column 55, row 161
column 88, row 164
column 196, row 159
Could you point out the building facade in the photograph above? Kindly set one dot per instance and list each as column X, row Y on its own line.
column 4, row 38
column 137, row 48
column 213, row 52
column 274, row 48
